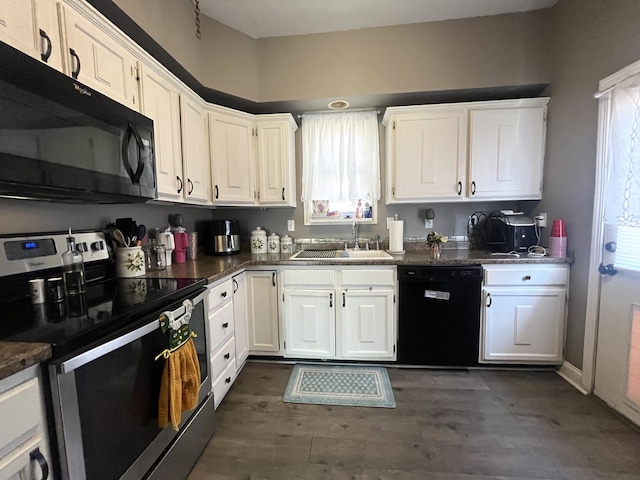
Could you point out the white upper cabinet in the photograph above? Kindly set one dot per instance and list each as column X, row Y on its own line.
column 232, row 158
column 429, row 154
column 31, row 26
column 161, row 103
column 506, row 151
column 466, row 151
column 275, row 151
column 252, row 158
column 195, row 150
column 94, row 54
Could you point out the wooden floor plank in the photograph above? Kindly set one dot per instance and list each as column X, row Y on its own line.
column 448, row 425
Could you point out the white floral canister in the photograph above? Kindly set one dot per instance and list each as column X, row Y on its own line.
column 286, row 244
column 130, row 262
column 273, row 243
column 258, row 241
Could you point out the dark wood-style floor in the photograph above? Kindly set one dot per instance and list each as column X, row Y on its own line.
column 448, row 425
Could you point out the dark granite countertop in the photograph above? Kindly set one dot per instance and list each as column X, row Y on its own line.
column 16, row 356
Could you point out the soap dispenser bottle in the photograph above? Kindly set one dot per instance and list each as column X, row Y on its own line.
column 73, row 269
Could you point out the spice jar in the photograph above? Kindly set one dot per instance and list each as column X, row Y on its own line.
column 258, row 241
column 273, row 243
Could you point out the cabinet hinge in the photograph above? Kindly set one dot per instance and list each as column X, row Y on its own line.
column 394, row 298
column 135, row 73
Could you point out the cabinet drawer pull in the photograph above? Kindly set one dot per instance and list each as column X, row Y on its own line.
column 235, row 286
column 343, row 299
column 273, row 278
column 226, row 356
column 225, row 325
column 283, row 193
column 489, row 301
column 227, row 380
column 38, row 457
column 331, row 300
column 526, row 277
column 216, row 190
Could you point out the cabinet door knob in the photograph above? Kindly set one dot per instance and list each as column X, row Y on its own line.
column 526, row 277
column 225, row 325
column 224, row 294
column 179, row 183
column 489, row 301
column 227, row 380
column 226, row 356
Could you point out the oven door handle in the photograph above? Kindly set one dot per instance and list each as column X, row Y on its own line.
column 101, row 350
column 108, row 347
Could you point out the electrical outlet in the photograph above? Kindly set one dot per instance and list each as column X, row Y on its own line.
column 541, row 220
column 291, row 226
column 428, row 223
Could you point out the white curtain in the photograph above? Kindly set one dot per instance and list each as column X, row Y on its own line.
column 340, row 156
column 622, row 195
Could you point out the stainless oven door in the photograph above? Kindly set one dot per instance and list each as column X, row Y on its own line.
column 105, row 401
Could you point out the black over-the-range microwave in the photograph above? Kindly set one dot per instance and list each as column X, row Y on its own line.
column 63, row 141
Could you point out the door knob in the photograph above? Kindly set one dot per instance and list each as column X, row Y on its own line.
column 610, row 246
column 607, row 269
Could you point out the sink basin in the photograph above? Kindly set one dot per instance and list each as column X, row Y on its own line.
column 341, row 255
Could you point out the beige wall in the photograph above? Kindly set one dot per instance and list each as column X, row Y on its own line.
column 590, row 39
column 456, row 54
column 223, row 59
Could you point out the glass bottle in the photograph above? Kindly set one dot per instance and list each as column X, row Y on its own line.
column 73, row 269
column 359, row 211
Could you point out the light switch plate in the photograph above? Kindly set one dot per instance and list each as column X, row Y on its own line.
column 428, row 223
column 291, row 226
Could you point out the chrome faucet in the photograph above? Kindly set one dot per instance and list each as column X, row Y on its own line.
column 355, row 236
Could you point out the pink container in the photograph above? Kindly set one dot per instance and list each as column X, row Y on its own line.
column 558, row 239
column 181, row 240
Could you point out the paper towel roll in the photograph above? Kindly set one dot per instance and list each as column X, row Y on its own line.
column 396, row 236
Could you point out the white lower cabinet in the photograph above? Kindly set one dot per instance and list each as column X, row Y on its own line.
column 347, row 314
column 262, row 308
column 309, row 323
column 24, row 446
column 524, row 313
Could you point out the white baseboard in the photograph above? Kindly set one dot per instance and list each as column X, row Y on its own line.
column 573, row 375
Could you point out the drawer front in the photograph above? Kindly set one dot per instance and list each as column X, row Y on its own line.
column 19, row 412
column 220, row 294
column 223, row 357
column 222, row 384
column 321, row 278
column 525, row 276
column 368, row 278
column 221, row 325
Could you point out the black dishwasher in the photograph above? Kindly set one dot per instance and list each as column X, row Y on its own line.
column 439, row 315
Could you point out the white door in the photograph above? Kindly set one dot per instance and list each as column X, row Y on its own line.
column 309, row 323
column 506, row 151
column 262, row 309
column 429, row 156
column 195, row 150
column 161, row 103
column 366, row 324
column 96, row 59
column 232, row 159
column 617, row 369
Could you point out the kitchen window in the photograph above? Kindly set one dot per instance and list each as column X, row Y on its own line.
column 340, row 167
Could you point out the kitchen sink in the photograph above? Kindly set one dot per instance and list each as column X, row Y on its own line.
column 341, row 255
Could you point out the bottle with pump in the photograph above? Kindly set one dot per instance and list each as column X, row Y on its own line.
column 359, row 211
column 73, row 269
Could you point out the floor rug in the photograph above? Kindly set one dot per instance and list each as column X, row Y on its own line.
column 340, row 385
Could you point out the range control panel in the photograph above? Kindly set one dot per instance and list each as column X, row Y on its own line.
column 34, row 252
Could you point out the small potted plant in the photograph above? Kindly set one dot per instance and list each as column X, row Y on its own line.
column 435, row 241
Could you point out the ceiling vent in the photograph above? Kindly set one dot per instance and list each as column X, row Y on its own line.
column 338, row 105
